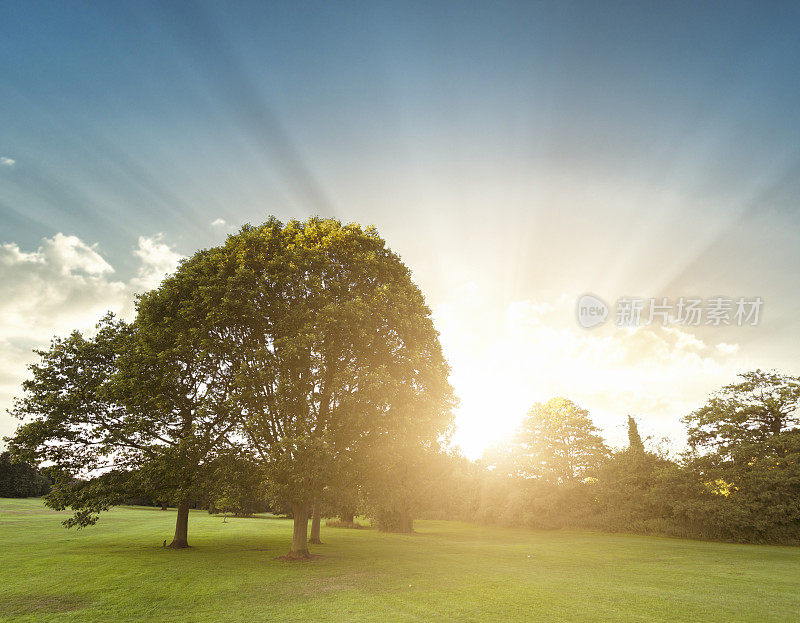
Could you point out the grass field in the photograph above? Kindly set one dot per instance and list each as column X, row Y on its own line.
column 448, row 571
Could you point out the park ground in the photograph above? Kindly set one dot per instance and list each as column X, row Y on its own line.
column 448, row 571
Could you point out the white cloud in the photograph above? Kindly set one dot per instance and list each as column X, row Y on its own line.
column 727, row 349
column 7, row 162
column 11, row 254
column 504, row 360
column 158, row 260
column 220, row 222
column 72, row 255
column 63, row 285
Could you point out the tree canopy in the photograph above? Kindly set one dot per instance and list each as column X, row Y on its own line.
column 141, row 407
column 557, row 442
column 336, row 352
column 761, row 406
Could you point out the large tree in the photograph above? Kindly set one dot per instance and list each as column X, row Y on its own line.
column 177, row 380
column 337, row 354
column 746, row 442
column 557, row 443
column 71, row 422
column 759, row 408
column 139, row 408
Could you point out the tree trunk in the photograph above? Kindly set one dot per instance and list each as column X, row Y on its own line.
column 776, row 425
column 164, row 506
column 348, row 517
column 315, row 525
column 300, row 534
column 181, row 527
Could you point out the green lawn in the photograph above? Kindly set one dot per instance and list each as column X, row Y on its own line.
column 447, row 571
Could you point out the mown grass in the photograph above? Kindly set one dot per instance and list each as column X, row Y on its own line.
column 448, row 571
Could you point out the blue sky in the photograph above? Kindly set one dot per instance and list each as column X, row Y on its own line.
column 515, row 154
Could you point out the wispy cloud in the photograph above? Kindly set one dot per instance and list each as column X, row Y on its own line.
column 7, row 162
column 220, row 222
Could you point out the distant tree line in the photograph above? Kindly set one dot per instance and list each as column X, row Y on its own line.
column 738, row 481
column 19, row 479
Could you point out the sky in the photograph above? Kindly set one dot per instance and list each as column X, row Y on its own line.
column 516, row 155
